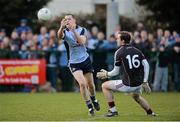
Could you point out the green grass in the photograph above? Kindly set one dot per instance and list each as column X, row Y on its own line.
column 70, row 106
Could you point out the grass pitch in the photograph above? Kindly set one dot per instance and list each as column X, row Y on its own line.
column 71, row 107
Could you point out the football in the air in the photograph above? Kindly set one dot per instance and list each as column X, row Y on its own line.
column 44, row 14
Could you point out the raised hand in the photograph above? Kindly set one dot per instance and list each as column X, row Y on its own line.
column 63, row 23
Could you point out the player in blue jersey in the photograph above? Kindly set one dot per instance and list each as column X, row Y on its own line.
column 74, row 37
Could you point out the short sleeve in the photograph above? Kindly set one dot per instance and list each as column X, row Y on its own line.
column 83, row 32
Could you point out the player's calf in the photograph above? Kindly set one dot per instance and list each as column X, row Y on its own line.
column 144, row 104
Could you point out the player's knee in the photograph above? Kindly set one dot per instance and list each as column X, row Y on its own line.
column 104, row 86
column 91, row 85
column 82, row 85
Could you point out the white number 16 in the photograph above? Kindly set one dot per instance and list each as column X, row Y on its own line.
column 134, row 62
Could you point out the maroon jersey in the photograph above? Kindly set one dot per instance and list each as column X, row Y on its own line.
column 130, row 58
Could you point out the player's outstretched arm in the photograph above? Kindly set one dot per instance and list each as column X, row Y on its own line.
column 103, row 74
column 114, row 72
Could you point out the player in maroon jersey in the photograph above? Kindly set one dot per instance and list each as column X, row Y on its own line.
column 135, row 75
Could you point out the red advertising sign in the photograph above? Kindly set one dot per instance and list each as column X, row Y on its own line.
column 23, row 71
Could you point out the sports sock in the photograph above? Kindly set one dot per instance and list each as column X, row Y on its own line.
column 112, row 106
column 149, row 111
column 113, row 109
column 89, row 104
column 93, row 98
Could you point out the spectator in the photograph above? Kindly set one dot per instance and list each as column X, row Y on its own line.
column 23, row 53
column 140, row 26
column 99, row 55
column 176, row 63
column 111, row 47
column 2, row 34
column 45, row 44
column 6, row 42
column 93, row 40
column 43, row 34
column 15, row 40
column 159, row 35
column 23, row 38
column 152, row 56
column 136, row 40
column 23, row 27
column 33, row 53
column 144, row 45
column 35, row 41
column 14, row 52
column 175, row 34
column 5, row 48
column 101, row 44
column 52, row 63
column 161, row 73
column 170, row 40
column 94, row 32
column 30, row 35
column 52, row 34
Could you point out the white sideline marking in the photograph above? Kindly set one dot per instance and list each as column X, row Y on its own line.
column 93, row 118
column 101, row 116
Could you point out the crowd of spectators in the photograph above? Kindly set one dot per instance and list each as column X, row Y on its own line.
column 160, row 47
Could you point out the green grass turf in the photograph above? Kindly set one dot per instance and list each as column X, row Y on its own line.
column 70, row 106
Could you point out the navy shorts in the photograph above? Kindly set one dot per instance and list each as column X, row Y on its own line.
column 85, row 66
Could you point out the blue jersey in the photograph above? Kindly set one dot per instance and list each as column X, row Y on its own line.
column 77, row 53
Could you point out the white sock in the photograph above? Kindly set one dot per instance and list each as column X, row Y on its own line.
column 113, row 109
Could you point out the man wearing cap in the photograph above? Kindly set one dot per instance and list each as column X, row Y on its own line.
column 23, row 27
